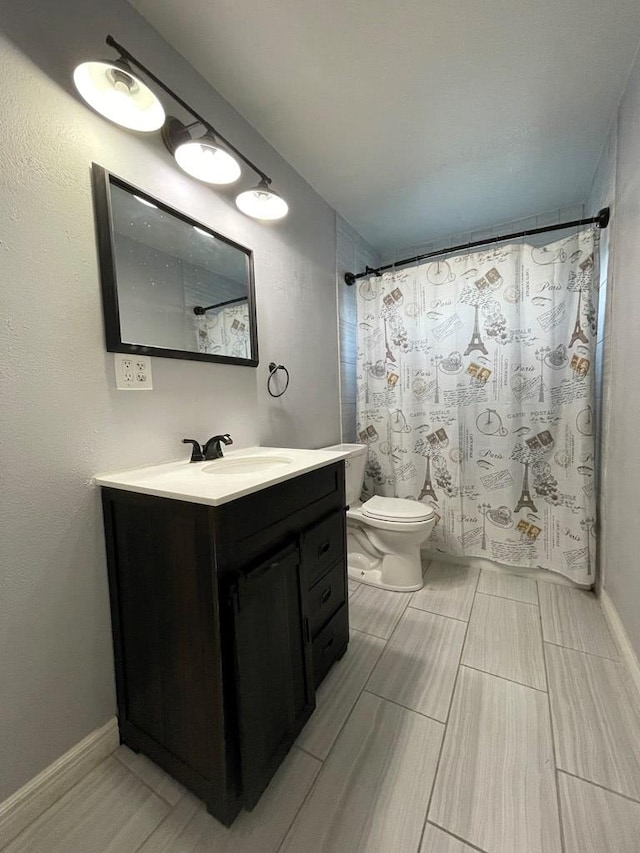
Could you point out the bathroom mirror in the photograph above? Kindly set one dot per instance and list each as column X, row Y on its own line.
column 171, row 286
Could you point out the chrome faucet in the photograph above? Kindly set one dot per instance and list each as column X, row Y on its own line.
column 210, row 450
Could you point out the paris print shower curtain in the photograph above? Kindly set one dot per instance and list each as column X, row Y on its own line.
column 475, row 395
column 225, row 331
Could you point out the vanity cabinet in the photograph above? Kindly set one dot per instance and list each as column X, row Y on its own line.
column 225, row 619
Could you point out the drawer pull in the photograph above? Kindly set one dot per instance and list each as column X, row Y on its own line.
column 327, row 646
column 322, row 549
column 326, row 595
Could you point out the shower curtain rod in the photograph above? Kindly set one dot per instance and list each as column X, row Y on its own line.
column 199, row 310
column 601, row 220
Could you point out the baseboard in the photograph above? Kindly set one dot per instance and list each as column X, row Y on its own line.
column 43, row 790
column 620, row 635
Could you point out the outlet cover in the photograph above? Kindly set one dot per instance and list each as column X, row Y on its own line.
column 133, row 372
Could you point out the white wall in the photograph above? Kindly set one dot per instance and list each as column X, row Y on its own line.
column 620, row 496
column 62, row 419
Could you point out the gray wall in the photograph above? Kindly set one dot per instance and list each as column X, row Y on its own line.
column 602, row 194
column 151, row 297
column 62, row 418
column 620, row 498
column 157, row 292
column 353, row 254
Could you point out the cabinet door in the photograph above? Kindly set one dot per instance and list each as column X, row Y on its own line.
column 273, row 667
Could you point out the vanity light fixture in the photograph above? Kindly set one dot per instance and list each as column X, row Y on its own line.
column 114, row 91
column 119, row 94
column 202, row 157
column 262, row 202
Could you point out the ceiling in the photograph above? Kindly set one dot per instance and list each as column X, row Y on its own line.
column 419, row 118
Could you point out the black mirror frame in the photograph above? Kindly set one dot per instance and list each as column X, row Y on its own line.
column 102, row 180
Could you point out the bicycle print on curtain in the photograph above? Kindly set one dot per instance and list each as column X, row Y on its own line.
column 475, row 395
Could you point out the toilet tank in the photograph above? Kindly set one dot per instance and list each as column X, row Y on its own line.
column 355, row 464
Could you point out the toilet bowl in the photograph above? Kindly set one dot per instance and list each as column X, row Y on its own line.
column 384, row 535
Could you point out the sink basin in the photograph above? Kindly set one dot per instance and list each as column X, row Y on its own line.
column 254, row 464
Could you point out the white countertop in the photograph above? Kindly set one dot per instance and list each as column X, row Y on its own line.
column 212, row 484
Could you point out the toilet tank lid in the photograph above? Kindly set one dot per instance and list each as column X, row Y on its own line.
column 351, row 449
column 398, row 509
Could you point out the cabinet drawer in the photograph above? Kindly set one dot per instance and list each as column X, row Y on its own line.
column 330, row 644
column 326, row 596
column 256, row 515
column 322, row 546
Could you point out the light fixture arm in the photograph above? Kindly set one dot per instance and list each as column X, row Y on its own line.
column 128, row 57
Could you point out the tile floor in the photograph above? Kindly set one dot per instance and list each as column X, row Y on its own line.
column 487, row 712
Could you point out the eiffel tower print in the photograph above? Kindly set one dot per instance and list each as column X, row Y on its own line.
column 427, row 486
column 578, row 332
column 525, row 497
column 476, row 342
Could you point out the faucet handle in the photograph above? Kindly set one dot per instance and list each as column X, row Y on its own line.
column 197, row 453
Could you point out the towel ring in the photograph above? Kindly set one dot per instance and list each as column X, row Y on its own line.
column 273, row 369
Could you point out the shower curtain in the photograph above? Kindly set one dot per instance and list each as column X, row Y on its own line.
column 476, row 396
column 224, row 331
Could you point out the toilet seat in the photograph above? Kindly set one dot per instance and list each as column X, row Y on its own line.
column 397, row 510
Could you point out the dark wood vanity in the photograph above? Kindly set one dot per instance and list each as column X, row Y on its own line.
column 225, row 620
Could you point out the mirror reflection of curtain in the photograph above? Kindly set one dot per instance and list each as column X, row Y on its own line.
column 224, row 331
column 476, row 395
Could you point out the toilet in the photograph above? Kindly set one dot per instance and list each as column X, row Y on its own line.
column 384, row 535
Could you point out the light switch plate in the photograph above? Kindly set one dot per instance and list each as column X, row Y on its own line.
column 133, row 372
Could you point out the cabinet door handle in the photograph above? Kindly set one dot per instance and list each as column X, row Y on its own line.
column 327, row 646
column 326, row 595
column 322, row 549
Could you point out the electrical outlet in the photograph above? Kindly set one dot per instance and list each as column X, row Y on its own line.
column 133, row 372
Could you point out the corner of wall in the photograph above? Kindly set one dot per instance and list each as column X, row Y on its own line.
column 353, row 254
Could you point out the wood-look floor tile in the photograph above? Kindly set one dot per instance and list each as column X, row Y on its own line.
column 372, row 792
column 448, row 590
column 496, row 783
column 339, row 692
column 596, row 821
column 189, row 829
column 437, row 841
column 352, row 585
column 508, row 586
column 155, row 777
column 504, row 639
column 376, row 611
column 109, row 811
column 596, row 719
column 575, row 619
column 419, row 664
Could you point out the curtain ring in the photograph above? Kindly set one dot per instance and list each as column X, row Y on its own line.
column 273, row 369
